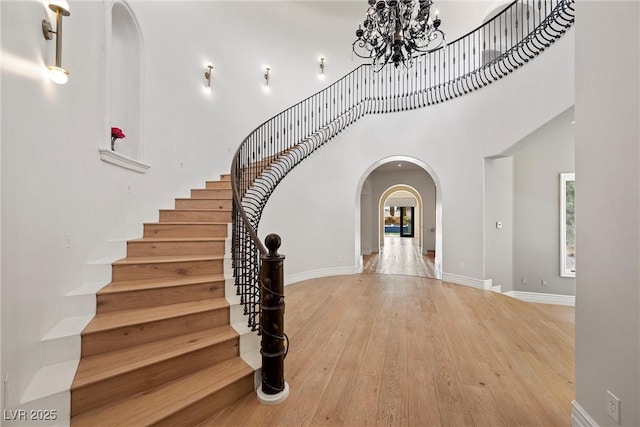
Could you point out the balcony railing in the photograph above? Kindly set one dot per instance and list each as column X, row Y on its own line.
column 490, row 52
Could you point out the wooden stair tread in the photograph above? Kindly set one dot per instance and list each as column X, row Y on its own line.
column 161, row 349
column 124, row 318
column 102, row 366
column 179, row 239
column 188, row 223
column 152, row 406
column 166, row 259
column 142, row 284
column 196, row 209
column 203, row 198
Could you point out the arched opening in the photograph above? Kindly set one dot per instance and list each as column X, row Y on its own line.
column 396, row 218
column 399, row 180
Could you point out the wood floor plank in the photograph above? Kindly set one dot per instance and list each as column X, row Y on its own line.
column 508, row 399
column 396, row 350
column 363, row 406
column 301, row 410
column 392, row 407
column 480, row 402
column 333, row 406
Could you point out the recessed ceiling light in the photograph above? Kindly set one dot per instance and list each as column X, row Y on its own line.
column 399, row 165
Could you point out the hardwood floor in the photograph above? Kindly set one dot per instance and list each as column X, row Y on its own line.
column 400, row 255
column 395, row 350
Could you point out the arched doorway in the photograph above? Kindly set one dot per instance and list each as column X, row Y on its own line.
column 400, row 210
column 400, row 180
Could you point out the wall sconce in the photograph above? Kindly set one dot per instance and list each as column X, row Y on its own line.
column 266, row 75
column 208, row 75
column 321, row 76
column 57, row 74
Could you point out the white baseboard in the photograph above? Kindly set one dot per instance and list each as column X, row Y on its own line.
column 484, row 284
column 541, row 298
column 315, row 274
column 580, row 417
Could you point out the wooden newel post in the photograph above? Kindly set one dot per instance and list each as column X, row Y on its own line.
column 274, row 388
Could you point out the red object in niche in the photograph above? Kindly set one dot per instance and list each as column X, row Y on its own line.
column 116, row 133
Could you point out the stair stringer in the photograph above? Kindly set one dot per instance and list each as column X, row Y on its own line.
column 59, row 348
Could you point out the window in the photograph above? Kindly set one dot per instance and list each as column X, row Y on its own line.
column 567, row 225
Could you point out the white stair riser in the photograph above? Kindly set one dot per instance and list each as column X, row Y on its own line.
column 61, row 349
column 79, row 305
column 98, row 272
column 116, row 249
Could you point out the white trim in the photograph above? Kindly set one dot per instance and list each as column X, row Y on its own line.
column 580, row 417
column 273, row 399
column 497, row 288
column 564, row 179
column 125, row 162
column 484, row 284
column 316, row 274
column 541, row 298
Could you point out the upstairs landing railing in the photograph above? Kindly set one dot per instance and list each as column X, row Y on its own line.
column 506, row 42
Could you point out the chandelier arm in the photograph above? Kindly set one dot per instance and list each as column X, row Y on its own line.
column 394, row 30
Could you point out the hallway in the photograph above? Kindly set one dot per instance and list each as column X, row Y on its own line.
column 400, row 255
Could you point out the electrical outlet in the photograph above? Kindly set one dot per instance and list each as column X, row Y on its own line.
column 613, row 407
column 67, row 240
column 543, row 282
column 462, row 266
column 523, row 280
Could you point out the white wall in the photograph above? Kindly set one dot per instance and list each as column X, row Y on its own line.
column 608, row 209
column 453, row 138
column 498, row 187
column 367, row 220
column 539, row 159
column 522, row 192
column 50, row 164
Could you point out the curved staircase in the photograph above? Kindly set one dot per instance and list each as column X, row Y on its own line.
column 161, row 349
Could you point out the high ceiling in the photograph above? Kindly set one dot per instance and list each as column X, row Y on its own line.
column 458, row 16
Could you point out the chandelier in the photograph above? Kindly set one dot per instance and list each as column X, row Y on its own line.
column 393, row 30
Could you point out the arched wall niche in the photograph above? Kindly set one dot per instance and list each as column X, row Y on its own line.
column 124, row 86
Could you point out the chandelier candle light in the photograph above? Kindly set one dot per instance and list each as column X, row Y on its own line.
column 394, row 30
